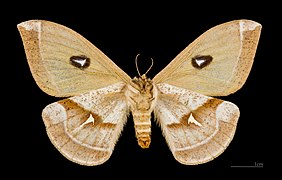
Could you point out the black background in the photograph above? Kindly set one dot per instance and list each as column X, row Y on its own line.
column 156, row 32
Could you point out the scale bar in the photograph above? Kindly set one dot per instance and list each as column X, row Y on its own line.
column 246, row 166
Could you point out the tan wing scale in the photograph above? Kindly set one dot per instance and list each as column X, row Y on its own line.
column 85, row 128
column 63, row 63
column 218, row 62
column 197, row 128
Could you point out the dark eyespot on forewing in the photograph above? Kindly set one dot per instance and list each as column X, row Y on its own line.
column 81, row 62
column 201, row 61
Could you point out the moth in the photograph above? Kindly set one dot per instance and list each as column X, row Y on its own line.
column 87, row 123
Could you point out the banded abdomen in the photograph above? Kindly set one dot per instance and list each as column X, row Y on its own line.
column 142, row 124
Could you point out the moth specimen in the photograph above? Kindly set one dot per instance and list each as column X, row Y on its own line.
column 86, row 125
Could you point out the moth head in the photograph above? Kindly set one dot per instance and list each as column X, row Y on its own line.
column 141, row 82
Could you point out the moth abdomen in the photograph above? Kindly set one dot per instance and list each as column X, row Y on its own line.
column 142, row 124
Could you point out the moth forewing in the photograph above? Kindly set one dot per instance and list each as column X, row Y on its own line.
column 64, row 63
column 218, row 62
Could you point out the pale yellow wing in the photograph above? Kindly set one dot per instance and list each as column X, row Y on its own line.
column 197, row 128
column 218, row 62
column 85, row 128
column 63, row 63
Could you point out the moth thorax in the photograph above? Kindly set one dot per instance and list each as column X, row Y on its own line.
column 141, row 94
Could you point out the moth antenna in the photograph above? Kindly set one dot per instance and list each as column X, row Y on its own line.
column 150, row 66
column 137, row 65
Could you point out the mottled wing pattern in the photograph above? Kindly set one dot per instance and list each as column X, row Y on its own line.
column 197, row 128
column 85, row 128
